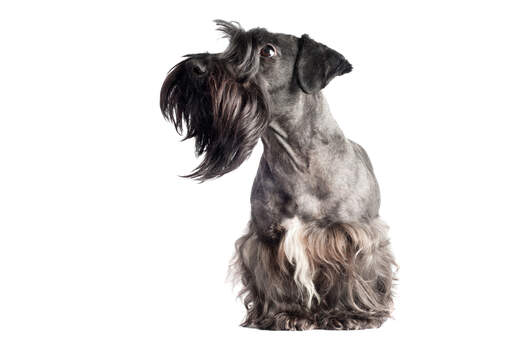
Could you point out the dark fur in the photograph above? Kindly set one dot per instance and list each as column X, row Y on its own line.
column 226, row 111
column 353, row 279
column 315, row 199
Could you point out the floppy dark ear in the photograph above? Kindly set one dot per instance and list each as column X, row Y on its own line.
column 317, row 64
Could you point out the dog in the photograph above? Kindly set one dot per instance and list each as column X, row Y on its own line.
column 316, row 254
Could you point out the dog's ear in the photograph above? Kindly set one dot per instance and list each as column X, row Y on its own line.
column 317, row 65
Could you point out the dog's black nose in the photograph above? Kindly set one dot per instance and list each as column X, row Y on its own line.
column 198, row 67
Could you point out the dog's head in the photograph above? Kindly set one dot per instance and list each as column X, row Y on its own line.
column 226, row 100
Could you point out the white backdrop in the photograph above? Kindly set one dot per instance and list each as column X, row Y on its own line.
column 101, row 240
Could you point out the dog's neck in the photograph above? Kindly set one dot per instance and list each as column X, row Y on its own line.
column 298, row 127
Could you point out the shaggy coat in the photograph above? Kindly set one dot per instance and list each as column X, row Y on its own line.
column 316, row 253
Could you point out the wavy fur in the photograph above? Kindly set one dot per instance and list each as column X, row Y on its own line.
column 352, row 269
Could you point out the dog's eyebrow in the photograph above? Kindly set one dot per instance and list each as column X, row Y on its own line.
column 229, row 28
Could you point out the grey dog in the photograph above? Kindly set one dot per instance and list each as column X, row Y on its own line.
column 316, row 254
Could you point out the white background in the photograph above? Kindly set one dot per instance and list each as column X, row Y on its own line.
column 101, row 240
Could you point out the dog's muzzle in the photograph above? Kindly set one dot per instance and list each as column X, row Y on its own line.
column 198, row 67
column 225, row 114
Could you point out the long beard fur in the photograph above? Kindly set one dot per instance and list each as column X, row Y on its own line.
column 226, row 116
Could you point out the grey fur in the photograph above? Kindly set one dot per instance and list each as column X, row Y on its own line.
column 311, row 179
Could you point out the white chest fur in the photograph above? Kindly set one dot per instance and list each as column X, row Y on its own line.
column 294, row 245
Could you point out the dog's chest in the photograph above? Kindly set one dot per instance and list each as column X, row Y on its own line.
column 333, row 188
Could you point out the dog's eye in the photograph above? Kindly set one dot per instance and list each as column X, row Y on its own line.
column 268, row 51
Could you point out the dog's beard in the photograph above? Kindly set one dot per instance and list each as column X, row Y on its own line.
column 226, row 116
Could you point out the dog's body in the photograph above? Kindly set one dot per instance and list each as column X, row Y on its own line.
column 316, row 254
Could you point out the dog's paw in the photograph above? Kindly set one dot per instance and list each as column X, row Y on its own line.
column 349, row 323
column 285, row 321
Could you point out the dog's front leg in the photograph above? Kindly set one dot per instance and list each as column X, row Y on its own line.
column 271, row 205
column 272, row 219
column 272, row 297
